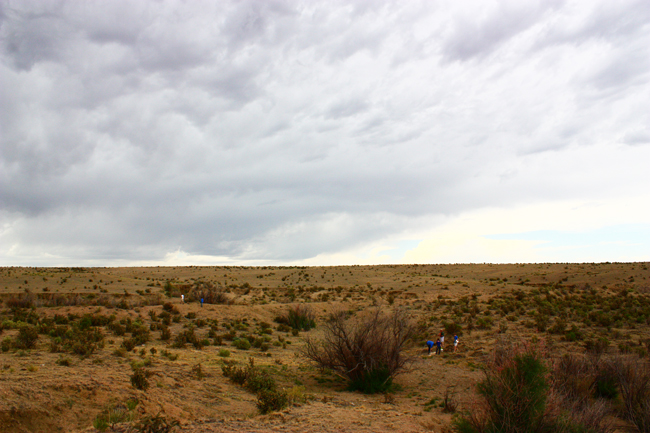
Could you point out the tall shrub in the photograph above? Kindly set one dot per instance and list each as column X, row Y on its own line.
column 367, row 350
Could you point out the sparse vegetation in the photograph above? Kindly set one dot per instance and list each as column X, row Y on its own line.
column 155, row 424
column 590, row 323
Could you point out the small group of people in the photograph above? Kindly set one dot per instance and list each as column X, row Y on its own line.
column 440, row 343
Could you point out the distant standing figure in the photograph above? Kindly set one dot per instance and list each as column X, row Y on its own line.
column 430, row 344
column 442, row 339
column 455, row 342
column 438, row 347
column 182, row 299
column 201, row 302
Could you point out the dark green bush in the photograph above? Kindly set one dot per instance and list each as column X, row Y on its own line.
column 597, row 346
column 258, row 380
column 165, row 333
column 283, row 327
column 6, row 344
column 26, row 338
column 128, row 344
column 117, row 329
column 452, row 328
column 271, row 400
column 187, row 337
column 372, row 381
column 242, row 344
column 234, row 373
column 140, row 378
column 484, row 322
column 606, row 383
column 514, row 395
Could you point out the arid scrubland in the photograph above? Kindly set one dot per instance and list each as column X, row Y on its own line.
column 86, row 349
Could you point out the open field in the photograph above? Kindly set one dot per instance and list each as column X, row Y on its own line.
column 93, row 326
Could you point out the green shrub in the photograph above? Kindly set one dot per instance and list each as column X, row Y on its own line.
column 197, row 372
column 271, row 400
column 234, row 373
column 559, row 327
column 26, row 338
column 597, row 346
column 187, row 337
column 258, row 380
column 224, row 353
column 6, row 344
column 372, row 381
column 242, row 344
column 574, row 334
column 283, row 327
column 167, row 354
column 128, row 344
column 452, row 328
column 484, row 322
column 606, row 383
column 514, row 393
column 100, row 423
column 63, row 362
column 165, row 333
column 140, row 378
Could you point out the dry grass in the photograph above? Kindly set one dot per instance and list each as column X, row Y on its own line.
column 601, row 306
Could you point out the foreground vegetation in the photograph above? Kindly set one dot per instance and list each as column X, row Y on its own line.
column 272, row 338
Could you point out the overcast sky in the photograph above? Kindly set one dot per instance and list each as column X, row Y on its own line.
column 286, row 132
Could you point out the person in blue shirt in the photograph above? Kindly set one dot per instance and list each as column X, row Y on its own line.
column 455, row 342
column 430, row 345
column 201, row 302
column 438, row 347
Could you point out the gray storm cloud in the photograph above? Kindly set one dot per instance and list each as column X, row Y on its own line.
column 272, row 130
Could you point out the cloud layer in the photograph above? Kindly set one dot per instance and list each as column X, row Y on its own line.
column 285, row 130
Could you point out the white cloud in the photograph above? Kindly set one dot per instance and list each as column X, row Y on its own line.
column 246, row 130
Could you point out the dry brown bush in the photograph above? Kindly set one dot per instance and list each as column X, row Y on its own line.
column 366, row 350
column 634, row 381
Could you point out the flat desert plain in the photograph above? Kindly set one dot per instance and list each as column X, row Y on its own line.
column 74, row 338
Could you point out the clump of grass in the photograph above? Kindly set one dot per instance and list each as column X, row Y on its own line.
column 197, row 372
column 111, row 416
column 169, row 355
column 155, row 424
column 300, row 317
column 65, row 362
